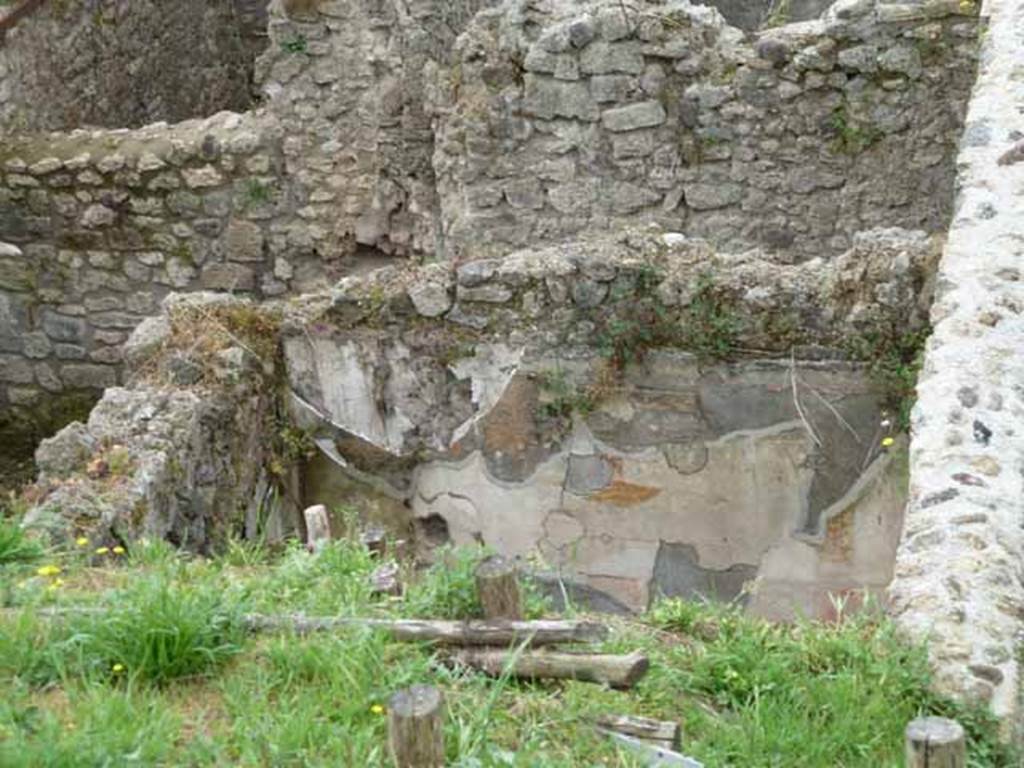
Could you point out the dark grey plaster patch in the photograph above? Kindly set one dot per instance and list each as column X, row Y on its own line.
column 678, row 573
column 587, row 475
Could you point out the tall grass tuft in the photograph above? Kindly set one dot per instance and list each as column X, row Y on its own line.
column 157, row 631
column 15, row 545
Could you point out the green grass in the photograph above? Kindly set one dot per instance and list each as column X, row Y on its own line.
column 15, row 546
column 194, row 691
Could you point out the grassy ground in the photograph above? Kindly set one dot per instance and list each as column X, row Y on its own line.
column 164, row 675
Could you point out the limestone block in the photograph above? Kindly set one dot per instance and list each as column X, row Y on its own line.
column 646, row 114
column 245, row 241
column 548, row 98
column 227, row 277
column 606, row 58
column 87, row 376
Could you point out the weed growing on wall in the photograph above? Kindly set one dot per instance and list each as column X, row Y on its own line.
column 894, row 357
column 852, row 136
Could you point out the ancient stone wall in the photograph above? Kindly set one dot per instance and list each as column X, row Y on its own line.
column 101, row 225
column 191, row 464
column 559, row 118
column 120, row 63
column 959, row 582
column 564, row 404
column 346, row 83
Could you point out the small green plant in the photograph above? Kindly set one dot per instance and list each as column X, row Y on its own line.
column 15, row 545
column 894, row 357
column 157, row 630
column 562, row 398
column 852, row 136
column 297, row 44
column 779, row 14
column 710, row 325
column 257, row 192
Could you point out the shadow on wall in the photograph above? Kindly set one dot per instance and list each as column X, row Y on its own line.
column 113, row 64
column 751, row 15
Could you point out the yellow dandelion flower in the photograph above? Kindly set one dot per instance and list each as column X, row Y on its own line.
column 118, row 550
column 117, row 668
column 81, row 541
column 377, row 709
column 102, row 550
column 48, row 570
column 888, row 442
column 55, row 585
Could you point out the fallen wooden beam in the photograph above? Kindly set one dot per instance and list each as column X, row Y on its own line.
column 493, row 633
column 652, row 755
column 609, row 669
column 458, row 633
column 657, row 732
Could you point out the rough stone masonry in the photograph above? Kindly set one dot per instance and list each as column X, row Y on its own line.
column 497, row 138
column 959, row 581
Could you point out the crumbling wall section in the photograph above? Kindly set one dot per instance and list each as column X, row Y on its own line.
column 959, row 582
column 346, row 82
column 186, row 452
column 101, row 225
column 118, row 64
column 558, row 118
column 570, row 404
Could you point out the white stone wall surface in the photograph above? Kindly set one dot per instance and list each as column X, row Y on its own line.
column 958, row 580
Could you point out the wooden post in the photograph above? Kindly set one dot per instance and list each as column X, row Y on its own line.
column 318, row 527
column 416, row 727
column 935, row 742
column 497, row 583
column 375, row 540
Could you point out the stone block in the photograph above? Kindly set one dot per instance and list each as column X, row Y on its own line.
column 227, row 277
column 548, row 98
column 705, row 196
column 611, row 88
column 646, row 114
column 15, row 370
column 606, row 58
column 63, row 328
column 201, row 178
column 88, row 376
column 245, row 241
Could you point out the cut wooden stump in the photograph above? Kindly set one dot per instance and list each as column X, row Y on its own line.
column 318, row 527
column 660, row 733
column 462, row 633
column 935, row 742
column 497, row 583
column 375, row 540
column 416, row 727
column 608, row 669
column 384, row 580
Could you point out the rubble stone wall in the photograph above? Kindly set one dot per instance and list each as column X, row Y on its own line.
column 559, row 118
column 100, row 225
column 347, row 84
column 121, row 63
column 959, row 582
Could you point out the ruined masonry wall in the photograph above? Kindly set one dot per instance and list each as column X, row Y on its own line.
column 347, row 85
column 104, row 224
column 959, row 580
column 119, row 63
column 560, row 118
